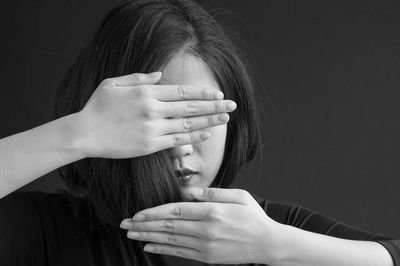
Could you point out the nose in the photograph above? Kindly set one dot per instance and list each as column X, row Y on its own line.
column 182, row 151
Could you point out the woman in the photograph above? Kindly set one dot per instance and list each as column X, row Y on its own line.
column 158, row 148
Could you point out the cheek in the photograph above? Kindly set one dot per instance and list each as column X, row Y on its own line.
column 212, row 152
column 213, row 148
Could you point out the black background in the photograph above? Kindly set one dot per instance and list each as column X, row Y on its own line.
column 331, row 70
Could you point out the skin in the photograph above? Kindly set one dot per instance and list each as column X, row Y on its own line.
column 130, row 116
column 204, row 157
column 125, row 117
column 228, row 226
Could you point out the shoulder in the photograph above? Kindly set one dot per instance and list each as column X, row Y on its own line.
column 37, row 225
column 37, row 214
column 25, row 206
column 30, row 205
column 30, row 225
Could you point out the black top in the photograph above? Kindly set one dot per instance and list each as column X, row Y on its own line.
column 38, row 229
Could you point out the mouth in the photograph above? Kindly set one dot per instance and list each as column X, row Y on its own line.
column 185, row 175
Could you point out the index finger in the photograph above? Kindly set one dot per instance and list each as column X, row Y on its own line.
column 183, row 92
column 176, row 210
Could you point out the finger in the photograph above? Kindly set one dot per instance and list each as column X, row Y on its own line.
column 185, row 227
column 196, row 108
column 135, row 79
column 180, row 139
column 224, row 195
column 183, row 252
column 166, row 238
column 176, row 210
column 170, row 126
column 184, row 92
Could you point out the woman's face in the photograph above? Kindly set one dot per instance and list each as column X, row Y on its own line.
column 204, row 157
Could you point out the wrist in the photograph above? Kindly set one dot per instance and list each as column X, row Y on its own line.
column 271, row 247
column 281, row 251
column 278, row 245
column 73, row 137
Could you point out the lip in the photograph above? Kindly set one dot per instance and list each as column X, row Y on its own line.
column 184, row 181
column 185, row 172
column 185, row 175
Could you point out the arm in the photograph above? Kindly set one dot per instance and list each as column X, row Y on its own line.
column 28, row 155
column 228, row 226
column 125, row 117
column 300, row 247
column 310, row 238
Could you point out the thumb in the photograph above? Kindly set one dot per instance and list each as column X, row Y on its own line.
column 224, row 195
column 137, row 79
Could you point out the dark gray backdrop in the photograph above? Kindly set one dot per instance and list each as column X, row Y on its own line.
column 331, row 71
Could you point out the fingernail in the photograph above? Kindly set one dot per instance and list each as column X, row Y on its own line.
column 154, row 74
column 132, row 234
column 138, row 218
column 223, row 117
column 196, row 191
column 125, row 224
column 219, row 95
column 230, row 106
column 205, row 135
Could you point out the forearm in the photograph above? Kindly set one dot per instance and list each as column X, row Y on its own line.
column 307, row 248
column 31, row 154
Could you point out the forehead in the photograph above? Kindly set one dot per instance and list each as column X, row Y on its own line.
column 185, row 69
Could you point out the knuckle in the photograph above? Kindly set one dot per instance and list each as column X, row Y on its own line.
column 171, row 239
column 191, row 108
column 163, row 249
column 207, row 94
column 177, row 140
column 148, row 109
column 210, row 120
column 193, row 137
column 177, row 212
column 214, row 212
column 211, row 193
column 170, row 225
column 137, row 226
column 182, row 92
column 217, row 106
column 186, row 124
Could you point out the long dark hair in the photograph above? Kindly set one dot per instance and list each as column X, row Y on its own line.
column 141, row 37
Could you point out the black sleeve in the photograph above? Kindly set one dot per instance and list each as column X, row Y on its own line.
column 313, row 221
column 22, row 230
